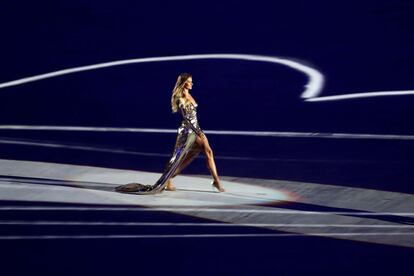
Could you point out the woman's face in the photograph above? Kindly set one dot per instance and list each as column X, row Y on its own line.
column 188, row 83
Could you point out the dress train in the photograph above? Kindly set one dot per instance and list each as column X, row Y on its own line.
column 186, row 137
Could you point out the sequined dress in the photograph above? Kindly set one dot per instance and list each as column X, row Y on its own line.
column 186, row 136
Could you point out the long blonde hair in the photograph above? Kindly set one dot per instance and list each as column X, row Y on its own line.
column 178, row 91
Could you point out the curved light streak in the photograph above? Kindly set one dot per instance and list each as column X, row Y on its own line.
column 311, row 93
column 360, row 95
column 199, row 224
column 313, row 87
column 192, row 236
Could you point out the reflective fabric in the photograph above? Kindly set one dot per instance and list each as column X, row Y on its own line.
column 186, row 136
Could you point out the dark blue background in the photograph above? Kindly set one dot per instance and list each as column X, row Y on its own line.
column 359, row 46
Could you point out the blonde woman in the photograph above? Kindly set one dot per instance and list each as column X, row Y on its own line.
column 189, row 143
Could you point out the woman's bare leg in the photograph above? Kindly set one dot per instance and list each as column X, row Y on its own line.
column 211, row 165
column 192, row 154
column 200, row 144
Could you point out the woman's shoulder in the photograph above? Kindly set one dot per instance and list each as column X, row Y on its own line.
column 186, row 101
column 191, row 100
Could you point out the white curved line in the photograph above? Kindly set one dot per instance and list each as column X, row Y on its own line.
column 360, row 95
column 313, row 87
column 201, row 224
column 217, row 132
column 31, row 237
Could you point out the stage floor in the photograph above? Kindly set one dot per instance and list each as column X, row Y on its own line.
column 53, row 204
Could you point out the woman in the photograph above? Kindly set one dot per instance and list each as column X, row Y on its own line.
column 190, row 141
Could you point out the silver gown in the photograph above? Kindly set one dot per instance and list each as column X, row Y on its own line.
column 186, row 136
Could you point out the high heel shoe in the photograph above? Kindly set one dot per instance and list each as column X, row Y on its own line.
column 217, row 186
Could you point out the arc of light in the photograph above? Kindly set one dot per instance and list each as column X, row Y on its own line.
column 200, row 224
column 192, row 236
column 360, row 95
column 313, row 87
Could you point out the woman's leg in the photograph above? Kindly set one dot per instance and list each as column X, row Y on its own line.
column 201, row 144
column 211, row 165
column 192, row 154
